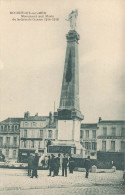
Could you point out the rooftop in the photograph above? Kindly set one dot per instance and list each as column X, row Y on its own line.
column 53, row 125
column 11, row 120
column 89, row 125
column 111, row 122
column 36, row 118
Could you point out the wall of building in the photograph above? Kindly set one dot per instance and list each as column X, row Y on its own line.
column 88, row 140
column 9, row 140
column 34, row 134
column 112, row 140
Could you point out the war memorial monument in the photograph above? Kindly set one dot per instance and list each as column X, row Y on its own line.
column 68, row 116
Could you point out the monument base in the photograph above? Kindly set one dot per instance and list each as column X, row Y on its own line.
column 68, row 123
column 74, row 149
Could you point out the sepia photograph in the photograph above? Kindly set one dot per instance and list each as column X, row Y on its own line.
column 62, row 97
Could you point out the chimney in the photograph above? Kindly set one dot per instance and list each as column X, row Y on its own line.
column 100, row 119
column 50, row 117
column 27, row 114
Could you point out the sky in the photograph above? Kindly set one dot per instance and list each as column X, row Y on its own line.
column 32, row 56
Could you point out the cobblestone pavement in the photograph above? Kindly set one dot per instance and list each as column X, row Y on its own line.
column 17, row 182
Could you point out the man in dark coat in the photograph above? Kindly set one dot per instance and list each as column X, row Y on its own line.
column 71, row 165
column 48, row 162
column 87, row 166
column 30, row 164
column 3, row 157
column 64, row 165
column 51, row 165
column 35, row 165
column 56, row 165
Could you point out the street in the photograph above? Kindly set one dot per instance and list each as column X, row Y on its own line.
column 16, row 181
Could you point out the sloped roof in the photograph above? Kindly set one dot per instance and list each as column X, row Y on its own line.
column 53, row 125
column 112, row 122
column 89, row 125
column 11, row 120
column 36, row 118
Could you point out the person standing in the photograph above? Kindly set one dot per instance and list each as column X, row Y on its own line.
column 35, row 165
column 58, row 163
column 55, row 167
column 71, row 165
column 48, row 162
column 51, row 164
column 87, row 166
column 42, row 161
column 30, row 164
column 3, row 157
column 64, row 165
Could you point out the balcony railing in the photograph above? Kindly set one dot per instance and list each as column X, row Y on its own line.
column 89, row 138
column 9, row 146
column 110, row 137
column 31, row 138
column 10, row 132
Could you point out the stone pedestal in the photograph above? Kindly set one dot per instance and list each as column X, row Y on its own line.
column 113, row 169
column 93, row 169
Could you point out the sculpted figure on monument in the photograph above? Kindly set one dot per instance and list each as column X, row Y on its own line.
column 72, row 18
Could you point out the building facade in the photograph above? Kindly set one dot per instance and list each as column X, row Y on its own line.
column 111, row 136
column 9, row 138
column 51, row 135
column 111, row 144
column 34, row 135
column 88, row 139
column 104, row 141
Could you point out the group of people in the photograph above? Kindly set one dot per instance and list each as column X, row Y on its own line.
column 54, row 165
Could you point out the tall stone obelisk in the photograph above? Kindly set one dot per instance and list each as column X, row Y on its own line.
column 70, row 86
column 68, row 115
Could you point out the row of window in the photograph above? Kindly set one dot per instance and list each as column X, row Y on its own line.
column 33, row 124
column 32, row 144
column 88, row 153
column 41, row 134
column 90, row 145
column 113, row 146
column 8, row 153
column 87, row 134
column 7, row 143
column 9, row 127
column 113, row 133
